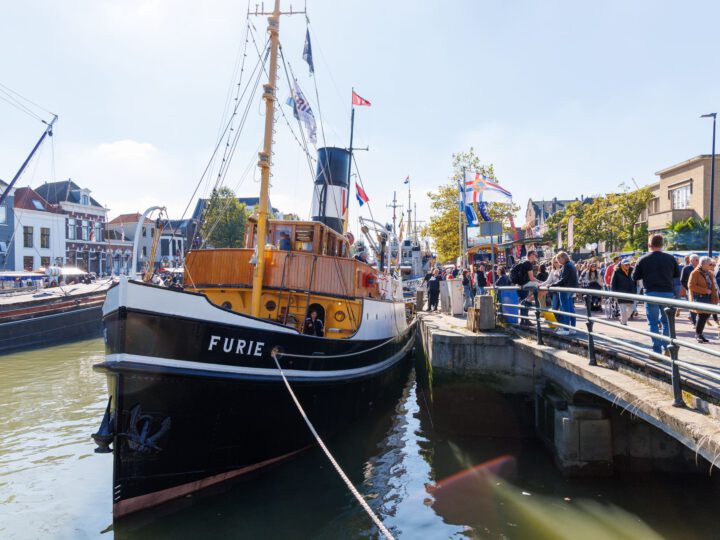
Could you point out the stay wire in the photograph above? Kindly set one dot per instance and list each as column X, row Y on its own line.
column 207, row 167
column 18, row 94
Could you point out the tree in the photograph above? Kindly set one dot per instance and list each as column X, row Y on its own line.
column 224, row 220
column 691, row 234
column 444, row 223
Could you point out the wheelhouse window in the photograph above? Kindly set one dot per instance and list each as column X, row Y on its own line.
column 28, row 237
column 45, row 238
column 304, row 235
column 680, row 197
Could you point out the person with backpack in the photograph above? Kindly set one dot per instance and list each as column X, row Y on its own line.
column 480, row 279
column 522, row 274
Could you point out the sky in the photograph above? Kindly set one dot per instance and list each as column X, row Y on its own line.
column 565, row 98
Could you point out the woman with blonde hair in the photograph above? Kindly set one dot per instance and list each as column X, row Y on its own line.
column 568, row 278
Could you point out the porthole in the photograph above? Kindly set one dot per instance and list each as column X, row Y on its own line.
column 270, row 305
column 227, row 305
column 339, row 316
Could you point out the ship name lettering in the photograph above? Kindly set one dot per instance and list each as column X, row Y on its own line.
column 237, row 346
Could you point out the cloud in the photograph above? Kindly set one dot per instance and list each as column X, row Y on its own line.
column 128, row 175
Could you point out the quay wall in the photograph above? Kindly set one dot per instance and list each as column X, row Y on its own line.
column 591, row 416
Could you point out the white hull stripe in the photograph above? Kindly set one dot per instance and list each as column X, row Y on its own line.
column 121, row 358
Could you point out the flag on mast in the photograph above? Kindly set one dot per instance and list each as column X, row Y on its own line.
column 307, row 52
column 407, row 179
column 361, row 195
column 357, row 100
column 303, row 112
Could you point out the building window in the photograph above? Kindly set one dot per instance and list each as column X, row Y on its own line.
column 85, row 199
column 44, row 237
column 28, row 238
column 654, row 205
column 28, row 263
column 3, row 215
column 680, row 198
column 71, row 229
column 144, row 252
column 85, row 230
column 98, row 232
column 44, row 262
column 144, row 232
column 164, row 247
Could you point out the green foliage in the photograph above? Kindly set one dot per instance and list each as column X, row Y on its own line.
column 443, row 226
column 691, row 234
column 224, row 220
column 611, row 219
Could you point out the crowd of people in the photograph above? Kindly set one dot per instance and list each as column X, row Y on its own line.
column 655, row 274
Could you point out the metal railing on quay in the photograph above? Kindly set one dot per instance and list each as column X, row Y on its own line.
column 669, row 307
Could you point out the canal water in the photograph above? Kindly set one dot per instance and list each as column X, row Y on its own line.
column 422, row 464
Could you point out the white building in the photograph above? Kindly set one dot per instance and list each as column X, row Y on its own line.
column 39, row 231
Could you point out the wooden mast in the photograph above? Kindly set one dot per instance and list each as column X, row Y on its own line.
column 264, row 162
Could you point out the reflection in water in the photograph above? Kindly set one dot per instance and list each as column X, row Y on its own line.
column 430, row 464
column 52, row 485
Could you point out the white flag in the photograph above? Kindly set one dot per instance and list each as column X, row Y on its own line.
column 304, row 113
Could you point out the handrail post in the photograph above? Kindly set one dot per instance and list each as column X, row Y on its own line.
column 674, row 348
column 589, row 324
column 538, row 326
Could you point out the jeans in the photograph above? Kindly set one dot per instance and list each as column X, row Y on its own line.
column 522, row 295
column 468, row 297
column 433, row 297
column 567, row 304
column 656, row 316
column 481, row 290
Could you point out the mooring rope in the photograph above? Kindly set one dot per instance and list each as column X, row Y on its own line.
column 340, row 472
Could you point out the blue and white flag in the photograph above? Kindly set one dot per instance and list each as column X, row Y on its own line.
column 467, row 207
column 303, row 112
column 307, row 52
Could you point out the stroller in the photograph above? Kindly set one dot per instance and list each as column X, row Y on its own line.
column 611, row 308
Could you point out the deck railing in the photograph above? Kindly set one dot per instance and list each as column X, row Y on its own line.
column 668, row 305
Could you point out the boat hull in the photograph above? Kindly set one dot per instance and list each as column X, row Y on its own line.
column 195, row 402
column 44, row 329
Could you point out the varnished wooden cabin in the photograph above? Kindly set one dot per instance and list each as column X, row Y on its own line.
column 317, row 272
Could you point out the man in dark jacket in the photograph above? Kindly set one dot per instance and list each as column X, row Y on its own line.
column 480, row 279
column 623, row 282
column 313, row 325
column 657, row 271
column 433, row 288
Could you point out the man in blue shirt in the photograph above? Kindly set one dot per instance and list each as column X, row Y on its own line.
column 284, row 243
column 657, row 271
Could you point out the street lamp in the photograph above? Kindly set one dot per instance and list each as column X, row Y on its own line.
column 712, row 186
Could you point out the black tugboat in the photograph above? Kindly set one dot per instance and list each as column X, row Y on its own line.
column 195, row 394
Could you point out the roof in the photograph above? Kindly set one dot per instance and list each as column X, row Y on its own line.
column 27, row 198
column 129, row 218
column 685, row 163
column 65, row 191
column 547, row 206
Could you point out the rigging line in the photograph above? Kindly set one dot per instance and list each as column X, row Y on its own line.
column 239, row 62
column 19, row 106
column 304, row 145
column 312, row 176
column 317, row 95
column 230, row 150
column 18, row 94
column 327, row 67
column 238, row 129
column 362, row 185
column 376, row 520
column 248, row 168
column 317, row 189
column 217, row 146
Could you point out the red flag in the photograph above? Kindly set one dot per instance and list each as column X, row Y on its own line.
column 357, row 100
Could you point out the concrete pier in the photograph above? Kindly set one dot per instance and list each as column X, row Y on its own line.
column 596, row 419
